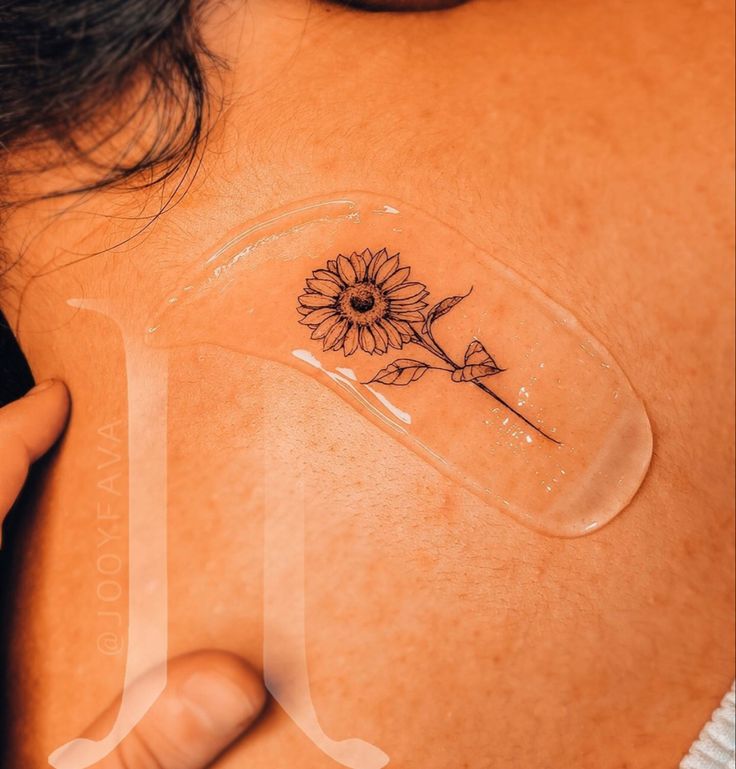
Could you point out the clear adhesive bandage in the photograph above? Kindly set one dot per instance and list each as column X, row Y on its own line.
column 447, row 350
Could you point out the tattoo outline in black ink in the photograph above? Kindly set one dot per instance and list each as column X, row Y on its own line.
column 366, row 301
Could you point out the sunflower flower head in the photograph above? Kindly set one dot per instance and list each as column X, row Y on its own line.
column 365, row 301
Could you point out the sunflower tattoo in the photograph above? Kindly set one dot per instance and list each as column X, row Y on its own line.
column 366, row 301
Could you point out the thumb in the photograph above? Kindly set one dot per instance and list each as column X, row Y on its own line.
column 211, row 698
column 28, row 429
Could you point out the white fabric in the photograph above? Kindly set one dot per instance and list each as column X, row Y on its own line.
column 714, row 748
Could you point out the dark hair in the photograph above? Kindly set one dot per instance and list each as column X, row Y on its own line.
column 78, row 77
column 65, row 64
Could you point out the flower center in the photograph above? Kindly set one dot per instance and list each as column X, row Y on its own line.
column 362, row 303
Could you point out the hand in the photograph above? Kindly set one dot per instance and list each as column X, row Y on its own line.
column 28, row 429
column 211, row 697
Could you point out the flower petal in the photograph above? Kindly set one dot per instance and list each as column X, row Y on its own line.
column 326, row 287
column 406, row 290
column 335, row 334
column 402, row 310
column 404, row 329
column 346, row 270
column 316, row 317
column 358, row 265
column 398, row 277
column 410, row 316
column 367, row 340
column 381, row 338
column 350, row 345
column 323, row 329
column 408, row 300
column 387, row 269
column 327, row 275
column 392, row 333
column 378, row 260
column 315, row 301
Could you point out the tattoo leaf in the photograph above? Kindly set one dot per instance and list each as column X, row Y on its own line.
column 476, row 354
column 440, row 309
column 401, row 372
column 478, row 363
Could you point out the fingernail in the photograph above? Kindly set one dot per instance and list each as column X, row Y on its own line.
column 41, row 386
column 221, row 704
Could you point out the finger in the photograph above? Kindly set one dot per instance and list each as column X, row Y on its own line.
column 211, row 698
column 28, row 428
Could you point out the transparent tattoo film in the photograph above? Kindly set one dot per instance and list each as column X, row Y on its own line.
column 435, row 341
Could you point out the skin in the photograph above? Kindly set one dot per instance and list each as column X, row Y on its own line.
column 592, row 145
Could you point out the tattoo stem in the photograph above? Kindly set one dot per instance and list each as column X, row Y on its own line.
column 438, row 352
column 490, row 392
